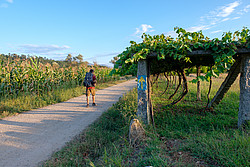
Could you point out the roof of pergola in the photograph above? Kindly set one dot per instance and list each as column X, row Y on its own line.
column 197, row 58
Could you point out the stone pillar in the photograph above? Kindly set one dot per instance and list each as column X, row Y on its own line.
column 244, row 107
column 143, row 110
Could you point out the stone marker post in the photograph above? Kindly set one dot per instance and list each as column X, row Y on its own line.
column 244, row 107
column 143, row 110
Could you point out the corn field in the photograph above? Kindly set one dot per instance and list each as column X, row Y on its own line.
column 30, row 76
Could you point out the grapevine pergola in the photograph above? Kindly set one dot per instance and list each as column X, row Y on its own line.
column 164, row 54
column 151, row 65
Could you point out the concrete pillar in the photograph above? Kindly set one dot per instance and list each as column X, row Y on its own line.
column 244, row 107
column 143, row 110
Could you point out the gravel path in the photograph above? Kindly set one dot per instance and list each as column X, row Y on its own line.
column 31, row 137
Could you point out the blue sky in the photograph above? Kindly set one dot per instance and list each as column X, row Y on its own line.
column 101, row 29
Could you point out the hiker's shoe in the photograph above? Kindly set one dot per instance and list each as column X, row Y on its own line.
column 94, row 104
column 87, row 105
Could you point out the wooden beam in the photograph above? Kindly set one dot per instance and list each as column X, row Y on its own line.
column 206, row 52
column 209, row 52
column 200, row 52
column 227, row 83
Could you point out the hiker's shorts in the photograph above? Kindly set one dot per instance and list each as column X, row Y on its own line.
column 92, row 91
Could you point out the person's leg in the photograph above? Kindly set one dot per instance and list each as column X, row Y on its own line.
column 93, row 96
column 87, row 96
column 87, row 99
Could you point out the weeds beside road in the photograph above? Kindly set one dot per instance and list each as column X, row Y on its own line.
column 24, row 102
column 185, row 135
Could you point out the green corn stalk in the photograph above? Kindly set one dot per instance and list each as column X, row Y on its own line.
column 31, row 76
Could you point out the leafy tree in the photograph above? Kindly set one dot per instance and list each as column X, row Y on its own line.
column 79, row 58
column 113, row 61
column 69, row 58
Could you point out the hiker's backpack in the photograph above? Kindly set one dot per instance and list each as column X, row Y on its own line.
column 88, row 80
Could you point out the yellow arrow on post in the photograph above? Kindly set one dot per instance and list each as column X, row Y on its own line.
column 141, row 82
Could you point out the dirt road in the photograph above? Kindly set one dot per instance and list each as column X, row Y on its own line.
column 31, row 137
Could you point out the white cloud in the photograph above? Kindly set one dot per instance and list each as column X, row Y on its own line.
column 171, row 33
column 227, row 9
column 214, row 32
column 103, row 55
column 235, row 18
column 217, row 16
column 198, row 28
column 41, row 49
column 4, row 5
column 244, row 10
column 220, row 14
column 57, row 56
column 225, row 19
column 208, row 21
column 108, row 54
column 10, row 1
column 143, row 29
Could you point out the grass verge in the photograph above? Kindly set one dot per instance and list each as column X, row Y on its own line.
column 184, row 134
column 103, row 136
column 25, row 102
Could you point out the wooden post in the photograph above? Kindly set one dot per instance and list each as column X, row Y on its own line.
column 198, row 73
column 227, row 83
column 143, row 110
column 244, row 107
column 151, row 112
